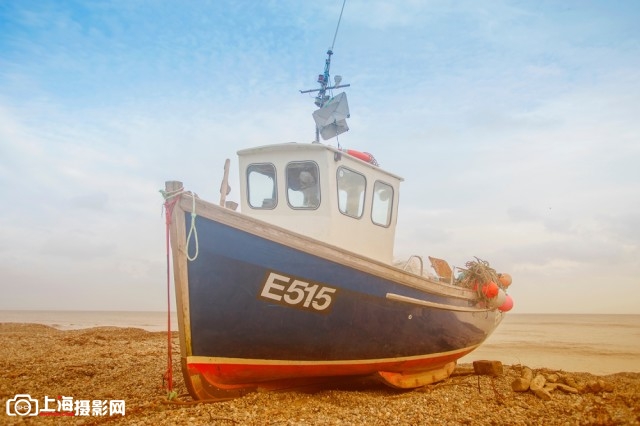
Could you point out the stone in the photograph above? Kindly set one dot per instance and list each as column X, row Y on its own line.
column 552, row 378
column 600, row 385
column 565, row 388
column 521, row 384
column 537, row 382
column 570, row 381
column 542, row 393
column 527, row 373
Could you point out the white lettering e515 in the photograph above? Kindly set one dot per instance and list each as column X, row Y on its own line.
column 270, row 286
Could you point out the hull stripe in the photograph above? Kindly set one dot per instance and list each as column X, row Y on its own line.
column 230, row 373
column 270, row 362
column 400, row 298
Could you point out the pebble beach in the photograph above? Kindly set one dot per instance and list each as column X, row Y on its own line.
column 96, row 366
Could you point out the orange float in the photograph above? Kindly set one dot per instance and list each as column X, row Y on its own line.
column 507, row 305
column 490, row 289
column 505, row 280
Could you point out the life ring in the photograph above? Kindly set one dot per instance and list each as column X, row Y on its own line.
column 364, row 156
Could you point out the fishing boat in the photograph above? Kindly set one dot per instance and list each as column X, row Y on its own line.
column 298, row 283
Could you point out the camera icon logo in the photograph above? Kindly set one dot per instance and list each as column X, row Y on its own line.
column 22, row 405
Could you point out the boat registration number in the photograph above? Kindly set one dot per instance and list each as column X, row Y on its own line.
column 297, row 293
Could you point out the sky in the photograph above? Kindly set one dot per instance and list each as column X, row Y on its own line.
column 515, row 124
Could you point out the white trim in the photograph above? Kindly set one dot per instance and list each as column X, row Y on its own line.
column 400, row 298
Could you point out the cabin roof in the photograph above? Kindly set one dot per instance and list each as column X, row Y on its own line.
column 301, row 147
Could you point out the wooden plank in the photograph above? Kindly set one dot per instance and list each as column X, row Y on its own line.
column 418, row 379
column 180, row 272
column 487, row 367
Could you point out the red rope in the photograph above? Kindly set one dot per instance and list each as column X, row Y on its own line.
column 168, row 375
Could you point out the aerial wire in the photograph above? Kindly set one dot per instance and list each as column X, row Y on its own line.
column 333, row 44
column 338, row 26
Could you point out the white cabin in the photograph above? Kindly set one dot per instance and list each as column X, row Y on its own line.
column 324, row 193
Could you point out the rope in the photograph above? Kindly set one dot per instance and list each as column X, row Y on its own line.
column 172, row 194
column 192, row 230
column 477, row 274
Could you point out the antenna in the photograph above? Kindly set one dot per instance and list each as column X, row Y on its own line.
column 338, row 26
column 322, row 98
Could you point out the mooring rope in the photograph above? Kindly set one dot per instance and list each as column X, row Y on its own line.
column 193, row 231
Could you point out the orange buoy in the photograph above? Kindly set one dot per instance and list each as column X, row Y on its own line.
column 490, row 289
column 498, row 300
column 507, row 305
column 505, row 280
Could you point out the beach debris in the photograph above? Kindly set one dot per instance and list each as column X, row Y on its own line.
column 537, row 382
column 543, row 384
column 487, row 368
column 521, row 384
column 544, row 393
column 596, row 386
column 566, row 388
column 571, row 382
column 537, row 386
column 552, row 378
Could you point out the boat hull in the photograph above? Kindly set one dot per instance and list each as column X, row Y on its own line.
column 266, row 308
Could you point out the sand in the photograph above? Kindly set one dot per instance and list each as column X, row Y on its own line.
column 110, row 364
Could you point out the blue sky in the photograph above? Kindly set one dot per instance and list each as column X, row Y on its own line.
column 514, row 123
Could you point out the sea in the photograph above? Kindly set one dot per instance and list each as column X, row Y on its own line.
column 598, row 344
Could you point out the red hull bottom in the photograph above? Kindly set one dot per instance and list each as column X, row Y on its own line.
column 215, row 378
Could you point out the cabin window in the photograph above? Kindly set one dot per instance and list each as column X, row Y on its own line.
column 351, row 187
column 261, row 186
column 303, row 187
column 381, row 204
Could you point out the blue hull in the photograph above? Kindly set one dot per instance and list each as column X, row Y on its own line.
column 253, row 298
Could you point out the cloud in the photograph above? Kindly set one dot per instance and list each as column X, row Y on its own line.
column 97, row 201
column 77, row 247
column 514, row 124
column 624, row 227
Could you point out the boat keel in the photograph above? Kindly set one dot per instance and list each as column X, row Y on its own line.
column 417, row 379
